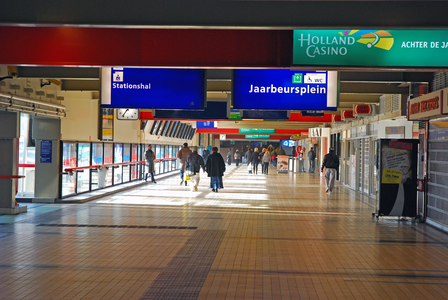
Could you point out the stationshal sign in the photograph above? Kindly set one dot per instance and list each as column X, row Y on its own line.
column 383, row 48
column 153, row 88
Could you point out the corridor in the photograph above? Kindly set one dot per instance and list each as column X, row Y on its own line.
column 276, row 236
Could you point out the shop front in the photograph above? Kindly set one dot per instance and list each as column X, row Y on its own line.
column 431, row 110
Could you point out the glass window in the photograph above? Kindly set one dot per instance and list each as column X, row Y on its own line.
column 126, row 153
column 97, row 154
column 158, row 152
column 134, row 156
column 69, row 160
column 170, row 151
column 118, row 158
column 108, row 153
column 162, row 151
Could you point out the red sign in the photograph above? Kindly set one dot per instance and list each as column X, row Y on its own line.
column 400, row 145
column 348, row 114
column 337, row 118
column 363, row 109
column 304, row 134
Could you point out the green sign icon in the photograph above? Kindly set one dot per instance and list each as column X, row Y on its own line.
column 297, row 78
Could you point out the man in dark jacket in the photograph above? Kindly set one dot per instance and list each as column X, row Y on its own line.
column 311, row 158
column 215, row 169
column 205, row 154
column 331, row 163
column 150, row 156
column 255, row 160
column 193, row 165
column 248, row 157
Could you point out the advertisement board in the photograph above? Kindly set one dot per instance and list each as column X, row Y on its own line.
column 281, row 89
column 153, row 88
column 373, row 48
column 397, row 177
column 282, row 163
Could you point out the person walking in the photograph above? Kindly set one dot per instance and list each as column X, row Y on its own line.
column 274, row 158
column 248, row 156
column 205, row 154
column 311, row 158
column 281, row 151
column 182, row 156
column 302, row 159
column 255, row 160
column 266, row 159
column 229, row 157
column 262, row 153
column 237, row 157
column 193, row 165
column 215, row 169
column 331, row 163
column 150, row 156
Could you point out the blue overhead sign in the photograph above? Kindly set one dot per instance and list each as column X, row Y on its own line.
column 280, row 89
column 153, row 88
column 206, row 124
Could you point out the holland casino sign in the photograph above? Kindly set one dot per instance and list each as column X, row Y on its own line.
column 384, row 48
column 281, row 89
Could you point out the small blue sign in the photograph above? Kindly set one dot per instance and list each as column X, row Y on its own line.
column 287, row 143
column 46, row 151
column 281, row 89
column 155, row 88
column 206, row 124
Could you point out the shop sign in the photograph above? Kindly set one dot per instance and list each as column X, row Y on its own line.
column 348, row 114
column 385, row 48
column 363, row 109
column 314, row 132
column 256, row 130
column 337, row 119
column 361, row 130
column 257, row 136
column 304, row 134
column 425, row 106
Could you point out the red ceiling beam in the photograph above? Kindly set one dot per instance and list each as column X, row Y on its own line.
column 75, row 46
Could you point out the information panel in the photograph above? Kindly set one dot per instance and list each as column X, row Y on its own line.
column 376, row 48
column 281, row 89
column 153, row 88
column 397, row 177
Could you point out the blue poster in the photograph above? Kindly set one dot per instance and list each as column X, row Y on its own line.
column 46, row 151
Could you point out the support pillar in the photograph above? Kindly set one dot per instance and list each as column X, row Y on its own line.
column 47, row 133
column 9, row 137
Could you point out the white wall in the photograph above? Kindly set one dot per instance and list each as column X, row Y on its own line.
column 81, row 121
column 395, row 123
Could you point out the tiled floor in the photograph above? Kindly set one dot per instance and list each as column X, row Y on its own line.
column 262, row 237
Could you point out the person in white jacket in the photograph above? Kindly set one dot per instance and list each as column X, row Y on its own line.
column 266, row 159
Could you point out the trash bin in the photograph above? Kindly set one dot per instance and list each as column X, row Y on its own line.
column 102, row 174
column 297, row 165
column 300, row 165
column 291, row 164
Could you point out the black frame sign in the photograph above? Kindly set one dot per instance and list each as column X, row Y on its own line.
column 397, row 177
